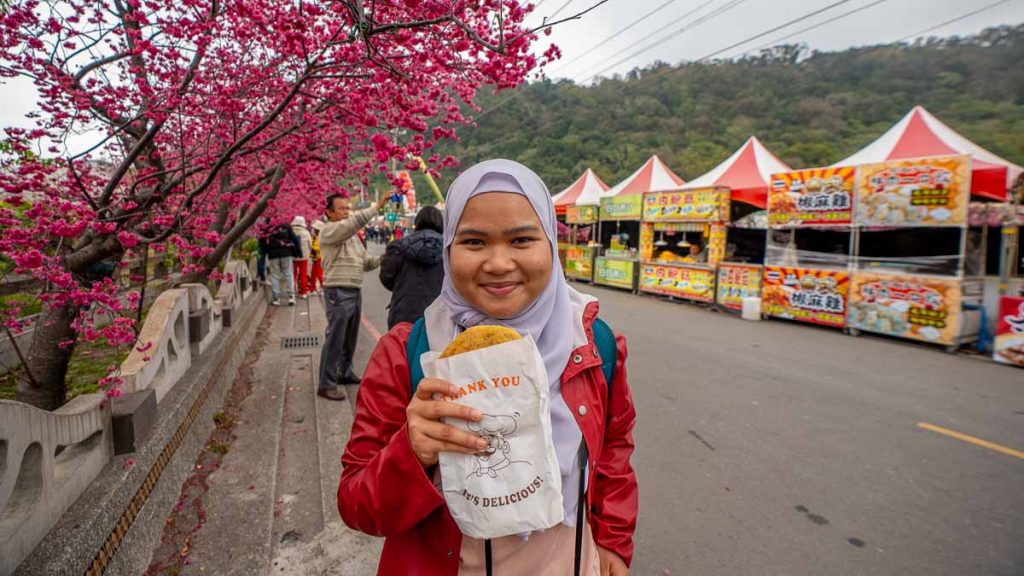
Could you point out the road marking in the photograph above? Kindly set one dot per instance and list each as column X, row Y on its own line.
column 971, row 439
column 371, row 329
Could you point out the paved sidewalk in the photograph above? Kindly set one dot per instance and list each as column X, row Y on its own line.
column 271, row 506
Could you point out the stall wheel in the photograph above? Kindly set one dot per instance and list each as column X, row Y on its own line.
column 853, row 332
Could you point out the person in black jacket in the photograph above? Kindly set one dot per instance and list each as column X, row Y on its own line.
column 412, row 268
column 280, row 245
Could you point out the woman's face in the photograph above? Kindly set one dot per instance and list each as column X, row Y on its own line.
column 500, row 258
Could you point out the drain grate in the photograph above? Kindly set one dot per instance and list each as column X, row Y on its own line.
column 292, row 342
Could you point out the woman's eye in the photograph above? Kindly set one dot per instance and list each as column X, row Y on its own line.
column 472, row 242
column 523, row 240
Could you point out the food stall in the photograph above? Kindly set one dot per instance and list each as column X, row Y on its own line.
column 911, row 275
column 690, row 231
column 920, row 263
column 807, row 258
column 619, row 235
column 746, row 174
column 619, row 231
column 579, row 254
column 585, row 191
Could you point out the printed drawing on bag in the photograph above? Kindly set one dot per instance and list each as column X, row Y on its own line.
column 495, row 429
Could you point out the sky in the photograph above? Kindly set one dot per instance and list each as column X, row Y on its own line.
column 879, row 23
column 705, row 31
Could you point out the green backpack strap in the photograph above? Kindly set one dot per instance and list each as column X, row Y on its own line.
column 418, row 344
column 604, row 338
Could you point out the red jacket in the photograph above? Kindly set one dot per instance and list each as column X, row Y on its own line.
column 385, row 491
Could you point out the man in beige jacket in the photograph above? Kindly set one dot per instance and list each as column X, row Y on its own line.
column 344, row 261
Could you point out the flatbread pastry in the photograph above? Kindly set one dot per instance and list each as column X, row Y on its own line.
column 479, row 337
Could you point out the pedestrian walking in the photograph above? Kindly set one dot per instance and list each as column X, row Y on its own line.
column 302, row 259
column 501, row 267
column 345, row 260
column 412, row 268
column 316, row 277
column 280, row 245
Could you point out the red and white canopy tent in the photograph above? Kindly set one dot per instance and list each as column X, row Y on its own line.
column 919, row 134
column 747, row 173
column 585, row 191
column 653, row 175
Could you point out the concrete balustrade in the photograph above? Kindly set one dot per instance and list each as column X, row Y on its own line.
column 47, row 459
column 162, row 355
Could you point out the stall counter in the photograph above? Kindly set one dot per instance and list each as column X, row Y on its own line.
column 679, row 280
column 615, row 271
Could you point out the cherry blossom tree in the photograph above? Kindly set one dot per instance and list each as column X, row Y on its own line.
column 207, row 113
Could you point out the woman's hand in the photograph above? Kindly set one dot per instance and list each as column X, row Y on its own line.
column 428, row 435
column 611, row 564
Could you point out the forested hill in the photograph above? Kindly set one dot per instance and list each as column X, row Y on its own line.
column 811, row 109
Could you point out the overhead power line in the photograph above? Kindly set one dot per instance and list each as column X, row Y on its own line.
column 565, row 64
column 705, row 18
column 775, row 29
column 560, row 8
column 954, row 20
column 816, row 26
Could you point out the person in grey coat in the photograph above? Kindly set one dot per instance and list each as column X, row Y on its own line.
column 412, row 268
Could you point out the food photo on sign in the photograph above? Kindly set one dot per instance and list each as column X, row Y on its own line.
column 924, row 191
column 1009, row 341
column 815, row 296
column 917, row 307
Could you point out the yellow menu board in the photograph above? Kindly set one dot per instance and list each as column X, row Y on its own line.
column 697, row 205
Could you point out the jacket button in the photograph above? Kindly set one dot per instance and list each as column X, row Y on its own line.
column 450, row 553
column 596, row 353
column 577, row 359
column 582, row 410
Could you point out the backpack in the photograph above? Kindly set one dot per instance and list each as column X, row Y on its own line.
column 604, row 338
column 281, row 238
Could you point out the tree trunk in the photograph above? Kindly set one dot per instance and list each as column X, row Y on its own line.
column 48, row 360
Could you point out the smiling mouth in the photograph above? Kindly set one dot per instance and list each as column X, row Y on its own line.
column 500, row 288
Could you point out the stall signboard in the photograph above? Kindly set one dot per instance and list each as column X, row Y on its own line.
column 817, row 296
column 716, row 234
column 917, row 307
column 579, row 263
column 622, row 207
column 691, row 283
column 696, row 205
column 1009, row 345
column 915, row 192
column 736, row 282
column 646, row 241
column 818, row 196
column 614, row 272
column 581, row 214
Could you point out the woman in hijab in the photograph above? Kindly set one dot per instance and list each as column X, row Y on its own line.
column 501, row 268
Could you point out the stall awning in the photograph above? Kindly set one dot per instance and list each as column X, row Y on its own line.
column 585, row 191
column 747, row 173
column 919, row 134
column 653, row 175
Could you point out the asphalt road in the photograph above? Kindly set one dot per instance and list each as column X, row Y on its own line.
column 773, row 448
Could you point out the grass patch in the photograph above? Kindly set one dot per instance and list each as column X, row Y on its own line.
column 28, row 303
column 88, row 365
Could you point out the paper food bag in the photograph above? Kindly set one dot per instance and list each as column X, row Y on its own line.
column 513, row 485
